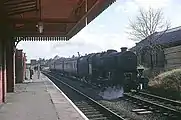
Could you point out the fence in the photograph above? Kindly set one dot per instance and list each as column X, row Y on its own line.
column 172, row 57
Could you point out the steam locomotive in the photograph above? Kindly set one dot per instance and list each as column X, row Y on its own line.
column 110, row 68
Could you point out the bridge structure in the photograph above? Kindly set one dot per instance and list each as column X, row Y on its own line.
column 40, row 20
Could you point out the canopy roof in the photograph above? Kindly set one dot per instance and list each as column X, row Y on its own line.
column 58, row 18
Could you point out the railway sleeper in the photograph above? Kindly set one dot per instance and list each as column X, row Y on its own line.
column 95, row 116
column 102, row 118
column 92, row 112
column 83, row 102
column 88, row 110
column 85, row 106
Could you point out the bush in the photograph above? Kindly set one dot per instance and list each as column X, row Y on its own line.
column 169, row 82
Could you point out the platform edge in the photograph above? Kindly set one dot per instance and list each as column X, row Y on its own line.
column 75, row 107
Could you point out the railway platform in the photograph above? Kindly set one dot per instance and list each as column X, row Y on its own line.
column 39, row 99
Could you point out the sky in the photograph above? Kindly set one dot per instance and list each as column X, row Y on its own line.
column 107, row 31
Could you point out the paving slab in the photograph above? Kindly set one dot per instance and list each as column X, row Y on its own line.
column 39, row 99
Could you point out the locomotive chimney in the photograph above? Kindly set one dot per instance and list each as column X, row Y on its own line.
column 123, row 49
column 78, row 54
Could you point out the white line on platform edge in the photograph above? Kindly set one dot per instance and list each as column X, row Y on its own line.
column 75, row 107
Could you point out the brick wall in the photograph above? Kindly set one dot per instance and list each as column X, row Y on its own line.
column 1, row 87
column 3, row 80
column 19, row 70
column 172, row 57
column 1, row 76
column 24, row 65
column 10, row 66
column 5, row 83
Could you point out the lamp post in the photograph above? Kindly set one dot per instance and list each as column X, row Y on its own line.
column 40, row 27
column 140, row 77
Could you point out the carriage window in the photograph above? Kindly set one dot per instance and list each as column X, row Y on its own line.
column 73, row 65
column 66, row 65
column 128, row 76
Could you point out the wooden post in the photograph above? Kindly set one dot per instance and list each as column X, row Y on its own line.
column 3, row 29
column 10, row 65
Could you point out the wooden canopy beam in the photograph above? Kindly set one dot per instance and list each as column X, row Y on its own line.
column 63, row 18
column 84, row 17
column 36, row 20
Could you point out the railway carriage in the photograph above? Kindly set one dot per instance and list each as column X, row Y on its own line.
column 59, row 65
column 104, row 69
column 52, row 66
column 70, row 66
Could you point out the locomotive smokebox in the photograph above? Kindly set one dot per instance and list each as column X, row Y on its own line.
column 140, row 70
column 123, row 49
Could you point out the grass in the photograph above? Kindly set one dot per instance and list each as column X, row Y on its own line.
column 168, row 83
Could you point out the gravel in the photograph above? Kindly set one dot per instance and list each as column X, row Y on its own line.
column 120, row 106
column 88, row 90
column 124, row 107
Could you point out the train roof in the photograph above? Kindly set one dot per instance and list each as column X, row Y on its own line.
column 71, row 59
column 118, row 53
column 87, row 56
column 109, row 52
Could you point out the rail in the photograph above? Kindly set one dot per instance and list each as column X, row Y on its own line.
column 86, row 109
column 152, row 103
column 161, row 98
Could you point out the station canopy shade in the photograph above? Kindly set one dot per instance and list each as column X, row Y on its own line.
column 52, row 19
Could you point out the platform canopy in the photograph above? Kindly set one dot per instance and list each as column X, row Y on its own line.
column 52, row 19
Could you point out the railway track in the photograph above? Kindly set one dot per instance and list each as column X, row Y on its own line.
column 74, row 78
column 92, row 109
column 156, row 104
column 149, row 102
column 165, row 101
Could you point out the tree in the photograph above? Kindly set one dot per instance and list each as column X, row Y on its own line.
column 146, row 25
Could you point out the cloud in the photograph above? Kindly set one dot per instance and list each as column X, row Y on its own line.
column 35, row 50
column 152, row 3
column 90, row 41
column 126, row 6
column 94, row 42
column 68, row 44
column 131, row 6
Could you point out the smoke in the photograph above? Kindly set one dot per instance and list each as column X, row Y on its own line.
column 112, row 93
